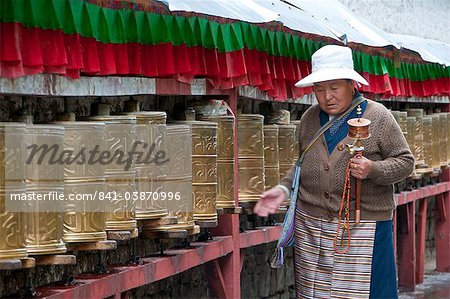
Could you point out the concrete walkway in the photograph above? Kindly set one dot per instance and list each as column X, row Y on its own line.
column 436, row 285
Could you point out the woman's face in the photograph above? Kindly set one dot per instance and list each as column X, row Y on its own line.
column 334, row 96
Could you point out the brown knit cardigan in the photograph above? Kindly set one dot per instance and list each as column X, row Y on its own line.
column 322, row 175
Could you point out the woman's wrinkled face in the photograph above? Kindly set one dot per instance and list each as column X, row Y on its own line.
column 334, row 96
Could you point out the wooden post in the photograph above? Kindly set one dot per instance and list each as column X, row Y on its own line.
column 407, row 247
column 420, row 242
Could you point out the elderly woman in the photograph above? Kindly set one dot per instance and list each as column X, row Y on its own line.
column 336, row 257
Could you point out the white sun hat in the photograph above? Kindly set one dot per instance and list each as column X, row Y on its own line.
column 331, row 62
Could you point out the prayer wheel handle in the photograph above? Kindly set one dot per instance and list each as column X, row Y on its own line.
column 358, row 130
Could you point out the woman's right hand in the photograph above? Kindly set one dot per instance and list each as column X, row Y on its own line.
column 269, row 202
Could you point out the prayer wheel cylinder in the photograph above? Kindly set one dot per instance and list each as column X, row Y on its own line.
column 444, row 144
column 120, row 135
column 204, row 169
column 411, row 136
column 44, row 227
column 418, row 134
column 225, row 159
column 271, row 159
column 287, row 152
column 88, row 225
column 428, row 140
column 178, row 177
column 251, row 157
column 436, row 137
column 150, row 128
column 12, row 181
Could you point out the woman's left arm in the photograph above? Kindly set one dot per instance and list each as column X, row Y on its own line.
column 398, row 161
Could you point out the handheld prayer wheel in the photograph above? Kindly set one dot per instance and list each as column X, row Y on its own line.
column 287, row 148
column 44, row 223
column 12, row 181
column 225, row 159
column 204, row 169
column 150, row 129
column 84, row 223
column 358, row 130
column 443, row 137
column 418, row 135
column 178, row 177
column 120, row 135
column 271, row 159
column 251, row 157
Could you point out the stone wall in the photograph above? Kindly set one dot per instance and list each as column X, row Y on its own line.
column 259, row 280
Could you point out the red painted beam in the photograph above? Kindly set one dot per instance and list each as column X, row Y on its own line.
column 259, row 236
column 407, row 248
column 420, row 240
column 423, row 192
column 124, row 278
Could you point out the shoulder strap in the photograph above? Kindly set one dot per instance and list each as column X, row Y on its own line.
column 326, row 126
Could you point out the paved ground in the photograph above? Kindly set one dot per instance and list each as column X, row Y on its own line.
column 435, row 286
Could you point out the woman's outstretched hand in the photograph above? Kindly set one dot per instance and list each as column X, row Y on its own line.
column 269, row 202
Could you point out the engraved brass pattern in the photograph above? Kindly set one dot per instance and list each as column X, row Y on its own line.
column 150, row 129
column 178, row 177
column 436, row 137
column 287, row 148
column 251, row 157
column 225, row 159
column 120, row 134
column 85, row 226
column 44, row 228
column 271, row 159
column 204, row 169
column 418, row 134
column 12, row 178
column 443, row 137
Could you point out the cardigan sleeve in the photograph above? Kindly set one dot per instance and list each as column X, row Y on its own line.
column 398, row 161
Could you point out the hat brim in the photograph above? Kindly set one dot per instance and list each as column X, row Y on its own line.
column 330, row 74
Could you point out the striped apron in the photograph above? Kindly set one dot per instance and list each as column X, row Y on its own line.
column 322, row 273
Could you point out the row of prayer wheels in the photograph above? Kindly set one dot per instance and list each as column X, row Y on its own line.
column 427, row 136
column 198, row 169
column 266, row 154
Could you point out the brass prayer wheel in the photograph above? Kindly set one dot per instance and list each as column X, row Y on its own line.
column 204, row 169
column 411, row 136
column 287, row 148
column 428, row 140
column 251, row 157
column 271, row 159
column 359, row 128
column 436, row 137
column 88, row 225
column 225, row 159
column 443, row 137
column 120, row 135
column 418, row 134
column 150, row 129
column 12, row 181
column 177, row 177
column 400, row 117
column 44, row 227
